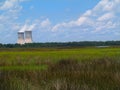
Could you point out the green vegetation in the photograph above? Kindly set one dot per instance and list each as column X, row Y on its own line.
column 60, row 69
column 62, row 44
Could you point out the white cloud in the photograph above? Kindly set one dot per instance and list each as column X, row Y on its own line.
column 10, row 11
column 37, row 24
column 45, row 23
column 8, row 17
column 104, row 16
column 9, row 4
column 88, row 13
column 81, row 20
column 70, row 24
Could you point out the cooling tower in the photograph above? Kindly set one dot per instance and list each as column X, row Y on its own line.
column 21, row 38
column 28, row 37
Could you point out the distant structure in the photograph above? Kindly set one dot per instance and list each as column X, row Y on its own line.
column 21, row 38
column 25, row 37
column 28, row 37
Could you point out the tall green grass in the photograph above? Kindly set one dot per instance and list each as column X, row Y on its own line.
column 101, row 74
column 60, row 69
column 43, row 56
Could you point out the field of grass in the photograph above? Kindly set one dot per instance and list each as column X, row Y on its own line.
column 60, row 69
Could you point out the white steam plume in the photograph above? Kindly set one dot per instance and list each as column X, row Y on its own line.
column 27, row 28
column 31, row 27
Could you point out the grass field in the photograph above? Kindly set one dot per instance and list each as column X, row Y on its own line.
column 60, row 69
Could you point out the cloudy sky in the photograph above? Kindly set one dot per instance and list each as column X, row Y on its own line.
column 60, row 20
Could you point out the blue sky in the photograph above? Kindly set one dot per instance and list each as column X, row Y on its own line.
column 60, row 20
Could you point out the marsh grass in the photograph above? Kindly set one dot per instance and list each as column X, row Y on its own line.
column 103, row 74
column 72, row 69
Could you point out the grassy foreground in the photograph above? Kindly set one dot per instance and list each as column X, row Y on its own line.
column 60, row 69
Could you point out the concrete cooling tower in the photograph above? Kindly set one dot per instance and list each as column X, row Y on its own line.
column 20, row 38
column 28, row 37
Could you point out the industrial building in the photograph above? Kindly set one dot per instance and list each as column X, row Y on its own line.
column 28, row 37
column 21, row 38
column 24, row 37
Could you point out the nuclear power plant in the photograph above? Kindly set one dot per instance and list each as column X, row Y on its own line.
column 21, row 38
column 25, row 34
column 28, row 36
column 24, row 37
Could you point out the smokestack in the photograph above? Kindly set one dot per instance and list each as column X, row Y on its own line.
column 28, row 37
column 21, row 38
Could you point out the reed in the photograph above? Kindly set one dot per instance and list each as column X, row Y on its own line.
column 69, row 69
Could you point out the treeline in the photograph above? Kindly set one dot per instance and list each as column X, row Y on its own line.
column 65, row 44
